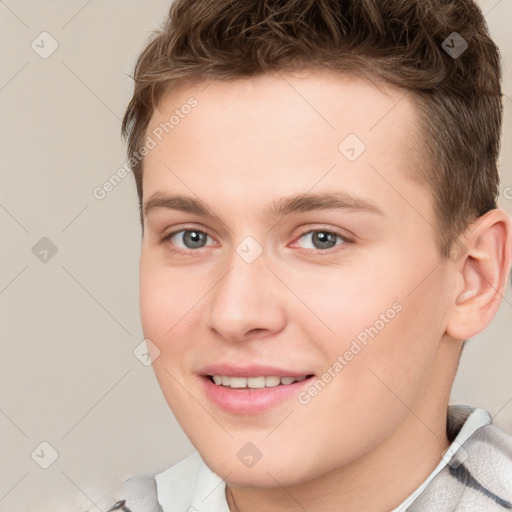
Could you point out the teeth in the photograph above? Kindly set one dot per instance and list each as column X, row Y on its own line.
column 238, row 382
column 254, row 382
column 270, row 382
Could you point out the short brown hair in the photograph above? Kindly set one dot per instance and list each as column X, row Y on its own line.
column 397, row 42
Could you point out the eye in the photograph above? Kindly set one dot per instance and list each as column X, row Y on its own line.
column 188, row 238
column 322, row 239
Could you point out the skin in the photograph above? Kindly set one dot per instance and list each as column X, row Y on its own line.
column 377, row 430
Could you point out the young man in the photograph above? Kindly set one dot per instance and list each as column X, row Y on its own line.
column 317, row 182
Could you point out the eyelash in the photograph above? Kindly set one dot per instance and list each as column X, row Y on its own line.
column 325, row 252
column 345, row 240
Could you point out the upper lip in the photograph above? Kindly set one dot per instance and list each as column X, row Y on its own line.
column 251, row 370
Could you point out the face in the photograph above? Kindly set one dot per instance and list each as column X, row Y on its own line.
column 286, row 236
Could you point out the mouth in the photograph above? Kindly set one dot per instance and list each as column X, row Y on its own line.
column 254, row 394
column 246, row 383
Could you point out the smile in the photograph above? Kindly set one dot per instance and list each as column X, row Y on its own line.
column 254, row 382
column 252, row 395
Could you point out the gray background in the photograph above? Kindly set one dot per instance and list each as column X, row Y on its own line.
column 70, row 324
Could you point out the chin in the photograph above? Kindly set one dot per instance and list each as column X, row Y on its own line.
column 270, row 473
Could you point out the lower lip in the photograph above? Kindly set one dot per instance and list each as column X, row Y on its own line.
column 251, row 401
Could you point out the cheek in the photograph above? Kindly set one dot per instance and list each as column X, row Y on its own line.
column 156, row 306
column 400, row 359
column 168, row 293
column 336, row 304
column 166, row 309
column 385, row 322
column 164, row 301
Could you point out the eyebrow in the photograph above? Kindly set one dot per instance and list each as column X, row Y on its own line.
column 284, row 206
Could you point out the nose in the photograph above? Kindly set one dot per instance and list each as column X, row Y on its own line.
column 245, row 303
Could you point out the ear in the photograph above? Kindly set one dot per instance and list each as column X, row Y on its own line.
column 482, row 274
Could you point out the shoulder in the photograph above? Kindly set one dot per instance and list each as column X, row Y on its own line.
column 187, row 486
column 191, row 486
column 477, row 478
column 171, row 490
column 137, row 494
column 488, row 456
column 483, row 470
column 177, row 485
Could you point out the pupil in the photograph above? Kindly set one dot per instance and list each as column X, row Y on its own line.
column 324, row 240
column 193, row 239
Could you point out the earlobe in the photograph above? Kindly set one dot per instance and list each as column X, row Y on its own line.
column 482, row 275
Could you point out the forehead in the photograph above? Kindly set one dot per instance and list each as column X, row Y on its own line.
column 275, row 135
